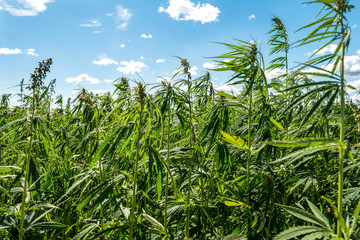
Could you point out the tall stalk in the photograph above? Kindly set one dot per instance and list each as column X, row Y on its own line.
column 167, row 162
column 140, row 98
column 186, row 68
column 342, row 138
column 27, row 168
column 333, row 26
column 36, row 87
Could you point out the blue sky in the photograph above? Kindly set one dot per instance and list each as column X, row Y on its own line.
column 94, row 42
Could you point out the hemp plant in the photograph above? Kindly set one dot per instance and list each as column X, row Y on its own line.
column 140, row 97
column 38, row 90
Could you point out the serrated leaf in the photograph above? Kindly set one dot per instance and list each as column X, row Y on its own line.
column 234, row 140
column 297, row 231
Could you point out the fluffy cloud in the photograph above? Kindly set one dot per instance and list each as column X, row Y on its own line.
column 328, row 49
column 192, row 70
column 274, row 73
column 131, row 67
column 108, row 81
column 355, row 84
column 251, row 17
column 94, row 91
column 351, row 66
column 8, row 51
column 122, row 26
column 31, row 52
column 92, row 23
column 122, row 45
column 227, row 89
column 160, row 60
column 185, row 10
column 122, row 16
column 146, row 36
column 83, row 78
column 210, row 65
column 164, row 79
column 24, row 7
column 98, row 91
column 104, row 61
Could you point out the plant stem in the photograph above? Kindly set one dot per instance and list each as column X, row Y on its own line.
column 27, row 170
column 133, row 205
column 187, row 225
column 342, row 137
column 168, row 163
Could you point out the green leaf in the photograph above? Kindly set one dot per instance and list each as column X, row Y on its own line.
column 276, row 124
column 235, row 204
column 234, row 140
column 319, row 215
column 304, row 215
column 296, row 232
column 49, row 225
column 303, row 142
column 154, row 222
column 6, row 169
column 354, row 221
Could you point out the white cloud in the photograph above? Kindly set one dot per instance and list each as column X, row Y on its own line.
column 160, row 60
column 352, row 65
column 164, row 79
column 142, row 57
column 98, row 91
column 92, row 23
column 227, row 89
column 122, row 45
column 108, row 81
column 31, row 52
column 98, row 31
column 83, row 78
column 328, row 49
column 274, row 73
column 104, row 61
column 192, row 70
column 122, row 16
column 24, row 7
column 210, row 65
column 355, row 84
column 185, row 10
column 131, row 67
column 146, row 36
column 354, row 26
column 8, row 51
column 122, row 26
column 94, row 91
column 251, row 17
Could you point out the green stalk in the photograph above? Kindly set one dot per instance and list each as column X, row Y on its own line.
column 168, row 163
column 187, row 226
column 342, row 137
column 27, row 170
column 101, row 171
column 249, row 143
column 133, row 205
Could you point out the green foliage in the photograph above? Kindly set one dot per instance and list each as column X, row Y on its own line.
column 277, row 160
